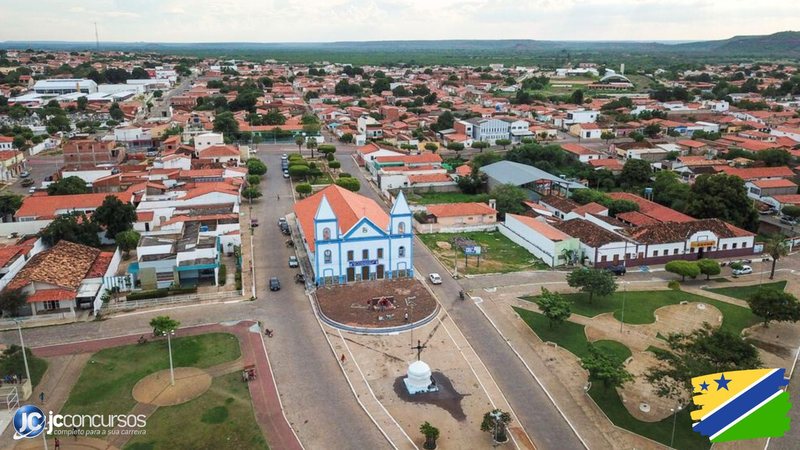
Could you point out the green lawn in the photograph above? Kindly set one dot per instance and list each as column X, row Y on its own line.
column 499, row 254
column 105, row 384
column 572, row 337
column 222, row 418
column 428, row 198
column 14, row 364
column 641, row 305
column 745, row 292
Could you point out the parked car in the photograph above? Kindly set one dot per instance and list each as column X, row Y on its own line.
column 788, row 220
column 293, row 262
column 24, row 174
column 745, row 270
column 286, row 174
column 253, row 151
column 282, row 221
column 617, row 270
column 27, row 182
column 284, row 157
column 274, row 284
column 435, row 278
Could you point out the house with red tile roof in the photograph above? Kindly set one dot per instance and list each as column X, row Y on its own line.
column 546, row 242
column 458, row 217
column 48, row 207
column 582, row 153
column 225, row 154
column 350, row 238
column 64, row 277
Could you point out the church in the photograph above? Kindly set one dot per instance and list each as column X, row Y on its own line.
column 350, row 238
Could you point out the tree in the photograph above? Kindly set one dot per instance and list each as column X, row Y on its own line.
column 554, row 306
column 480, row 145
column 724, row 197
column 455, row 146
column 334, row 164
column 74, row 227
column 163, row 324
column 509, row 198
column 791, row 211
column 349, row 183
column 774, row 305
column 636, row 172
column 604, row 367
column 225, row 123
column 9, row 204
column 253, row 180
column 298, row 171
column 577, row 97
column 702, row 351
column 444, row 121
column 251, row 192
column 346, row 138
column 592, row 281
column 652, row 130
column 503, row 143
column 114, row 215
column 311, row 144
column 775, row 247
column 116, row 112
column 607, row 136
column 496, row 422
column 11, row 300
column 139, row 73
column 683, row 268
column 327, row 149
column 68, row 186
column 431, row 433
column 484, row 159
column 256, row 167
column 127, row 241
column 708, row 267
column 299, row 141
column 303, row 189
column 431, row 146
column 82, row 102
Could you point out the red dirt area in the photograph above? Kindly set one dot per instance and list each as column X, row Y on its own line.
column 377, row 303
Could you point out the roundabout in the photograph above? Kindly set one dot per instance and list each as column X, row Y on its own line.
column 156, row 389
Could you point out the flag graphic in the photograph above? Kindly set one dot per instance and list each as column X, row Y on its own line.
column 743, row 404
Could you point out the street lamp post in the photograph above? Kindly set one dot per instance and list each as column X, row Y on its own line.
column 624, row 294
column 24, row 356
column 674, row 412
column 171, row 369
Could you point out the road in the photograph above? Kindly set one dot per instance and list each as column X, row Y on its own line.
column 537, row 414
column 161, row 105
column 39, row 167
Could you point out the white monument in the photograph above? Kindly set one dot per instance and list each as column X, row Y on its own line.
column 419, row 376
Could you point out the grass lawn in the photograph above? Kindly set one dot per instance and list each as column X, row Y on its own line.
column 572, row 337
column 745, row 292
column 105, row 384
column 428, row 198
column 499, row 254
column 15, row 364
column 222, row 418
column 641, row 305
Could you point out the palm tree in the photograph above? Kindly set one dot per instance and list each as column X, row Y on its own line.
column 776, row 247
column 496, row 422
column 311, row 144
column 299, row 141
column 431, row 434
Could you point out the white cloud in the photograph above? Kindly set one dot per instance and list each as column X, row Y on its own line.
column 337, row 20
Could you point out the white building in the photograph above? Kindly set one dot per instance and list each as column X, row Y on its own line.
column 205, row 140
column 64, row 86
column 350, row 238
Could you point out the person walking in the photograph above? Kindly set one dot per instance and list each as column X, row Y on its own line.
column 41, row 397
column 58, row 444
column 343, row 358
column 75, row 432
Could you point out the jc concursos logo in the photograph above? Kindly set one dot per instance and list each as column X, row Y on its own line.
column 29, row 422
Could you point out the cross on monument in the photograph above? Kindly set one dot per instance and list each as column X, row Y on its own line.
column 419, row 348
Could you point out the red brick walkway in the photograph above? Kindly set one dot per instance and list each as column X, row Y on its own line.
column 263, row 391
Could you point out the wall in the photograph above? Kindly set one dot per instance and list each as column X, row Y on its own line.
column 531, row 241
column 23, row 228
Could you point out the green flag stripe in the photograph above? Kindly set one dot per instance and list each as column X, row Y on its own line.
column 768, row 421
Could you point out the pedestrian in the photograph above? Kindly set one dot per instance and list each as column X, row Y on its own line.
column 405, row 317
column 58, row 444
column 75, row 432
column 343, row 358
column 41, row 397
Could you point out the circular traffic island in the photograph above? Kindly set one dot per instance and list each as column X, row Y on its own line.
column 157, row 389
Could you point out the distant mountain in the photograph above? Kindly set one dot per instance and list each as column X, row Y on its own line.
column 785, row 44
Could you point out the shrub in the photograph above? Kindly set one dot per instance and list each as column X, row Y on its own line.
column 674, row 285
column 223, row 273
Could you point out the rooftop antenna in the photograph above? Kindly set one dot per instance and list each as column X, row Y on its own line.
column 96, row 37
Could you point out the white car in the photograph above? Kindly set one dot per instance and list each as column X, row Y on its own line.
column 284, row 157
column 435, row 278
column 285, row 174
column 743, row 271
column 253, row 151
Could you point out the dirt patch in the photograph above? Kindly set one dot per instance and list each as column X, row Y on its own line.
column 155, row 389
column 352, row 304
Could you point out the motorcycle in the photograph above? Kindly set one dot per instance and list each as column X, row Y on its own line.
column 461, row 295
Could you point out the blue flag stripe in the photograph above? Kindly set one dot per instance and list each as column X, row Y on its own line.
column 746, row 401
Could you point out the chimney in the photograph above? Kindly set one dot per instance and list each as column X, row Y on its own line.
column 492, row 203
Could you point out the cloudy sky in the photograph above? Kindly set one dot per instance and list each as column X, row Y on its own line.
column 363, row 20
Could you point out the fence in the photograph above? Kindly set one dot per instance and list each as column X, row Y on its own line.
column 210, row 297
